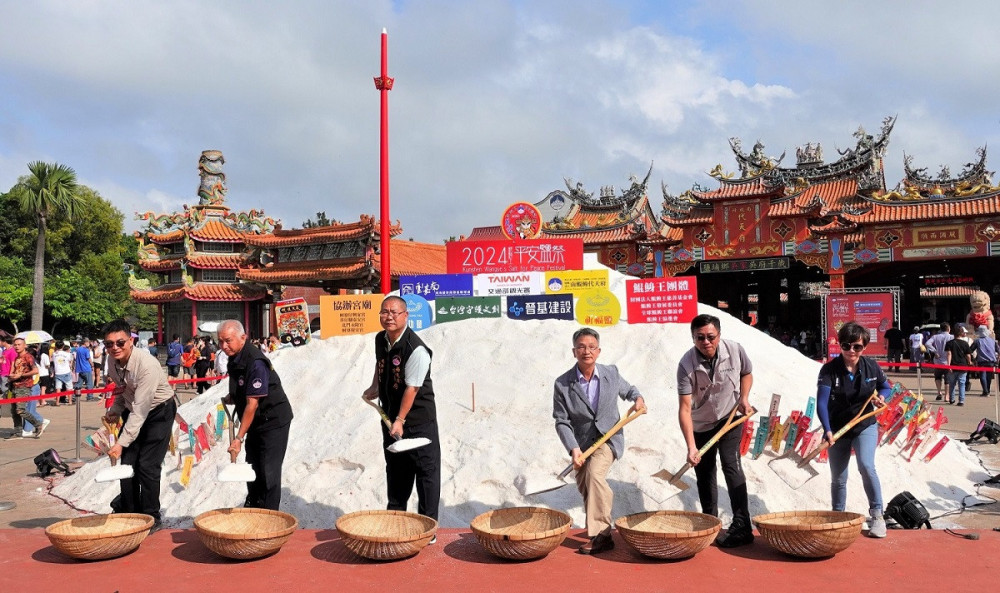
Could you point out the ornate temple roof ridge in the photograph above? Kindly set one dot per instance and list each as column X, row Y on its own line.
column 973, row 173
column 366, row 227
column 608, row 200
column 864, row 158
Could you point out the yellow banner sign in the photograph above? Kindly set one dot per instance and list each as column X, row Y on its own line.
column 598, row 306
column 349, row 314
column 575, row 281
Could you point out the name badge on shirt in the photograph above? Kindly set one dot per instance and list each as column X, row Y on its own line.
column 396, row 360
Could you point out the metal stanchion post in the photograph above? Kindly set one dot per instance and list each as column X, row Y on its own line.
column 920, row 365
column 79, row 415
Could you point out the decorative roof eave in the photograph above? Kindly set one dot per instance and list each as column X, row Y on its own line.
column 161, row 265
column 836, row 226
column 667, row 236
column 366, row 228
column 926, row 210
column 202, row 291
column 330, row 271
column 175, row 236
column 758, row 187
column 216, row 231
column 216, row 262
column 696, row 216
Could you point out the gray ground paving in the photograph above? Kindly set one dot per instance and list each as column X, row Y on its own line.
column 20, row 483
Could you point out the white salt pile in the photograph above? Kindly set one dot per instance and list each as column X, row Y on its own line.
column 334, row 463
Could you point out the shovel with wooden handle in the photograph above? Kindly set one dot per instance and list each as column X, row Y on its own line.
column 795, row 470
column 401, row 444
column 549, row 484
column 235, row 472
column 673, row 480
column 115, row 472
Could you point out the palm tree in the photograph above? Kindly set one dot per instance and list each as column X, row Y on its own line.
column 50, row 189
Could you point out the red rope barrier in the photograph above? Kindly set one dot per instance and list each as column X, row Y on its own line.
column 107, row 389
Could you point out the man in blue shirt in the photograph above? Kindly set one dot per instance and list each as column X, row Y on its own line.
column 174, row 351
column 83, row 368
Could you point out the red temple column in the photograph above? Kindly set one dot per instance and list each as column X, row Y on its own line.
column 159, row 323
column 384, row 84
column 194, row 318
column 246, row 316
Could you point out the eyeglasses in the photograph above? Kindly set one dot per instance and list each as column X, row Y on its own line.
column 706, row 338
column 586, row 348
column 390, row 313
column 113, row 343
column 848, row 347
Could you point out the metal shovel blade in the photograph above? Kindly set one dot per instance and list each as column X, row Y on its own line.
column 237, row 472
column 793, row 469
column 533, row 486
column 114, row 473
column 674, row 481
column 407, row 444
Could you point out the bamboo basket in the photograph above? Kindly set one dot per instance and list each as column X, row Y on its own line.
column 670, row 535
column 810, row 534
column 245, row 534
column 521, row 533
column 386, row 535
column 99, row 537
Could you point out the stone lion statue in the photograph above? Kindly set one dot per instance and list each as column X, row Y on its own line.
column 980, row 313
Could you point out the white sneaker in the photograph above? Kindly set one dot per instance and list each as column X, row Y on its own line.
column 27, row 433
column 876, row 526
column 433, row 541
column 39, row 430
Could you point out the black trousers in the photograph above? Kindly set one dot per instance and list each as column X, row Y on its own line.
column 141, row 493
column 420, row 466
column 266, row 453
column 728, row 449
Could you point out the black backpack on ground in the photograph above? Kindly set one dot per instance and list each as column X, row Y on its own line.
column 49, row 461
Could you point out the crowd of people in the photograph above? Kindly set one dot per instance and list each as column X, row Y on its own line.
column 955, row 347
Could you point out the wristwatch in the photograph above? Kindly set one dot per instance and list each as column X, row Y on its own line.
column 240, row 439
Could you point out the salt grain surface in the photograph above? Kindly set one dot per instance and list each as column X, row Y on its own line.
column 334, row 464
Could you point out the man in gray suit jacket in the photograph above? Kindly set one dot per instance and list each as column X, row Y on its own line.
column 584, row 406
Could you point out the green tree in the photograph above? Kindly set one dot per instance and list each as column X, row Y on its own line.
column 50, row 188
column 321, row 220
column 76, row 297
column 15, row 290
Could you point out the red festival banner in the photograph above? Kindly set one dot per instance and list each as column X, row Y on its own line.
column 531, row 255
column 663, row 300
column 873, row 310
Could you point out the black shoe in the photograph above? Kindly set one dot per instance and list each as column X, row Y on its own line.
column 598, row 543
column 740, row 533
column 960, row 404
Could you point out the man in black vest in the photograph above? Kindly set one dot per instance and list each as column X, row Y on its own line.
column 264, row 412
column 402, row 382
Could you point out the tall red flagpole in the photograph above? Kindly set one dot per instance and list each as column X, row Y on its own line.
column 384, row 84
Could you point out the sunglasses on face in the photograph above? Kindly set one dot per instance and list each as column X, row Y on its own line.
column 115, row 343
column 848, row 347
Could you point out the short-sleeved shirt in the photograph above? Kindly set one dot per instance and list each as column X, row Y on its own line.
column 63, row 361
column 23, row 364
column 714, row 391
column 257, row 378
column 960, row 352
column 83, row 360
column 936, row 344
column 9, row 354
column 916, row 340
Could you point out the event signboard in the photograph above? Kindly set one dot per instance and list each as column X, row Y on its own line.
column 292, row 317
column 529, row 255
column 458, row 308
column 575, row 281
column 598, row 306
column 662, row 300
column 342, row 315
column 433, row 286
column 508, row 284
column 530, row 308
column 420, row 313
column 873, row 310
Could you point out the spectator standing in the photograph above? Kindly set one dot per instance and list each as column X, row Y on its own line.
column 985, row 351
column 936, row 348
column 959, row 354
column 916, row 346
column 895, row 344
column 97, row 358
column 84, row 368
column 62, row 366
column 174, row 352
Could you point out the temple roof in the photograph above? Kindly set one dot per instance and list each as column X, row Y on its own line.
column 217, row 231
column 203, row 291
column 366, row 228
column 406, row 258
column 216, row 262
column 161, row 265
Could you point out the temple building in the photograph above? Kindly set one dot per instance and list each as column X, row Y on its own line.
column 213, row 264
column 770, row 238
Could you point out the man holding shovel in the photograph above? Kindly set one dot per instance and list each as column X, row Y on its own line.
column 402, row 383
column 145, row 401
column 585, row 406
column 264, row 413
column 713, row 378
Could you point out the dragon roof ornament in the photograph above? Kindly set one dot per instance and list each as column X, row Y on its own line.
column 607, row 198
column 973, row 173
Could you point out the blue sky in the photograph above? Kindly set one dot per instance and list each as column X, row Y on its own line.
column 495, row 101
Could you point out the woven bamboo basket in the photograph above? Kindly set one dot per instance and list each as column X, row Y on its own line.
column 245, row 534
column 521, row 533
column 810, row 534
column 385, row 535
column 670, row 535
column 99, row 537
